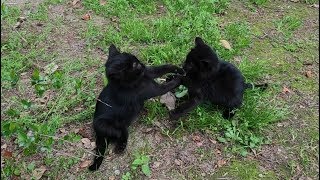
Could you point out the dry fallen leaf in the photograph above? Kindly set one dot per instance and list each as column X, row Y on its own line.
column 178, row 162
column 86, row 143
column 103, row 2
column 50, row 68
column 148, row 130
column 217, row 151
column 315, row 5
column 21, row 19
column 85, row 163
column 286, row 90
column 225, row 44
column 86, row 17
column 93, row 145
column 18, row 25
column 62, row 130
column 169, row 100
column 112, row 178
column 213, row 141
column 196, row 138
column 309, row 74
column 74, row 2
column 199, row 144
column 83, row 132
column 7, row 154
column 4, row 146
column 156, row 164
column 116, row 19
column 221, row 162
column 294, row 0
column 76, row 130
column 38, row 172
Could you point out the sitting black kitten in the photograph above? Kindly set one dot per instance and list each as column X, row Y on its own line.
column 210, row 79
column 130, row 83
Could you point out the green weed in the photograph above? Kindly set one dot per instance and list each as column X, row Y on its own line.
column 287, row 25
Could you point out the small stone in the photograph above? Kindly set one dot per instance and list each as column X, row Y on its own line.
column 117, row 172
column 178, row 162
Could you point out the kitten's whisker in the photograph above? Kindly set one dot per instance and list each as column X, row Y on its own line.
column 104, row 103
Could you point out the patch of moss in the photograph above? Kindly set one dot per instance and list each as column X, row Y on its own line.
column 244, row 170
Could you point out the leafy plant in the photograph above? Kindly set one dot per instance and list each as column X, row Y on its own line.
column 57, row 79
column 78, row 85
column 287, row 25
column 14, row 77
column 259, row 2
column 143, row 162
column 26, row 103
column 12, row 112
column 220, row 5
column 4, row 9
column 126, row 176
column 39, row 82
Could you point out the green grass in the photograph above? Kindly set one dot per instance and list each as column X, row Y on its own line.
column 158, row 32
column 244, row 170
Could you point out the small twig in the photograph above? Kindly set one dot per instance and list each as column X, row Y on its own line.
column 104, row 103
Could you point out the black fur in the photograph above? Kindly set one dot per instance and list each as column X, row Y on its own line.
column 130, row 83
column 210, row 79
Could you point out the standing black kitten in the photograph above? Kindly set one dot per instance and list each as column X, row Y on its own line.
column 130, row 83
column 211, row 79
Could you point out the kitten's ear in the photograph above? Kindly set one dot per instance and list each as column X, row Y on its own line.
column 198, row 41
column 113, row 50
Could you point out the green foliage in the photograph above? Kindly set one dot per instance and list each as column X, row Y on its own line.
column 220, row 5
column 14, row 77
column 142, row 161
column 26, row 103
column 126, row 176
column 238, row 34
column 287, row 25
column 244, row 170
column 40, row 14
column 4, row 9
column 40, row 82
column 259, row 2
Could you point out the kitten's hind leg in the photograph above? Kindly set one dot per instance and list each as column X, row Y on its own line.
column 228, row 113
column 100, row 150
column 121, row 142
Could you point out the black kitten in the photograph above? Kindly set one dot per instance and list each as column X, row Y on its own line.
column 130, row 83
column 211, row 79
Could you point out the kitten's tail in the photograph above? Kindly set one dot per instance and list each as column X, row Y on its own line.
column 252, row 86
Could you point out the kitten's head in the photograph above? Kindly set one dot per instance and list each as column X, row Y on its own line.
column 201, row 59
column 123, row 68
